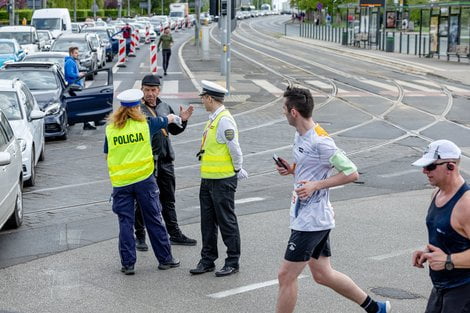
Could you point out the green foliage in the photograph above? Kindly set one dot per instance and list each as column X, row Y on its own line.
column 4, row 15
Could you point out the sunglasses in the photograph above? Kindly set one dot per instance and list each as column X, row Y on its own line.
column 433, row 166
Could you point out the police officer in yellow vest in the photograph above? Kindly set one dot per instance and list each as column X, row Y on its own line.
column 130, row 164
column 221, row 167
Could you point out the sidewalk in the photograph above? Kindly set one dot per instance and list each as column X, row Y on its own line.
column 453, row 71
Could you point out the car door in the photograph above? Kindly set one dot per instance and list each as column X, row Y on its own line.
column 8, row 173
column 92, row 103
column 36, row 126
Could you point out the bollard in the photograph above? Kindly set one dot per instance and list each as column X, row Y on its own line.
column 153, row 58
column 137, row 39
column 147, row 35
column 122, row 53
column 132, row 46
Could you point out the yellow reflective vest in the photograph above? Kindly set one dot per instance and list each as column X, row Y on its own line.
column 216, row 162
column 130, row 158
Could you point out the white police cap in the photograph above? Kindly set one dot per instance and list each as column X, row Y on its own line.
column 212, row 89
column 130, row 97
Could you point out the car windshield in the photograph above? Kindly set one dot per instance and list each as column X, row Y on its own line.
column 43, row 36
column 7, row 48
column 64, row 45
column 102, row 33
column 46, row 23
column 34, row 79
column 34, row 58
column 9, row 105
column 23, row 38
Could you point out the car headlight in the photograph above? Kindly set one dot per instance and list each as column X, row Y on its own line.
column 22, row 144
column 53, row 108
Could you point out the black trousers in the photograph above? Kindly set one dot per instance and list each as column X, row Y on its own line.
column 166, row 53
column 453, row 300
column 166, row 183
column 217, row 199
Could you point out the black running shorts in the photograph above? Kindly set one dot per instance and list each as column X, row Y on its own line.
column 304, row 245
column 452, row 300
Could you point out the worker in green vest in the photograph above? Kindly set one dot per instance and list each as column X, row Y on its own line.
column 221, row 167
column 131, row 165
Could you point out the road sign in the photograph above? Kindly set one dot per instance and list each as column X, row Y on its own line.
column 319, row 6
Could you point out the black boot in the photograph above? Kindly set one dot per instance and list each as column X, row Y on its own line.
column 140, row 244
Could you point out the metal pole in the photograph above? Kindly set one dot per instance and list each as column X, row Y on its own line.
column 12, row 12
column 229, row 33
column 162, row 8
column 197, row 29
column 74, row 10
column 149, row 8
column 128, row 8
column 384, row 21
column 94, row 10
column 120, row 9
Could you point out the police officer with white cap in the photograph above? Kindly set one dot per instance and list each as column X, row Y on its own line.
column 221, row 167
column 164, row 156
column 130, row 163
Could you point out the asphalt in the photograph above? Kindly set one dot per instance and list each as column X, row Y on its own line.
column 87, row 279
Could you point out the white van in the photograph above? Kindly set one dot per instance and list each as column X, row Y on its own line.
column 26, row 36
column 57, row 21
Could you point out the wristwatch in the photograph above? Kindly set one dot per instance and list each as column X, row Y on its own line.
column 449, row 266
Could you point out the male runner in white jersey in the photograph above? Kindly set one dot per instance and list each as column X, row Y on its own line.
column 312, row 218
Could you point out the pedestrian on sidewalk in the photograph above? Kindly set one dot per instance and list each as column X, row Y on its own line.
column 166, row 41
column 74, row 76
column 221, row 168
column 448, row 223
column 128, row 151
column 311, row 214
column 164, row 155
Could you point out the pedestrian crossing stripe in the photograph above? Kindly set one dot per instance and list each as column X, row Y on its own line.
column 268, row 87
column 319, row 84
column 415, row 86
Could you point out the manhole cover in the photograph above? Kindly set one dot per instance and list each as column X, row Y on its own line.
column 394, row 293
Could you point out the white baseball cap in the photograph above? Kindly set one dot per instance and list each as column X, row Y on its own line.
column 439, row 149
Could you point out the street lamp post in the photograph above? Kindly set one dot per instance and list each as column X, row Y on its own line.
column 128, row 8
column 75, row 11
column 162, row 8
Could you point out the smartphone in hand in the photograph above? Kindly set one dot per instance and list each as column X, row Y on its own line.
column 278, row 161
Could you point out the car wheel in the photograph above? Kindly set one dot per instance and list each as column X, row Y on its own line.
column 16, row 219
column 32, row 180
column 42, row 156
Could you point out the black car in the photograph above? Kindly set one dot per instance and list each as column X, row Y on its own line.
column 88, row 57
column 64, row 105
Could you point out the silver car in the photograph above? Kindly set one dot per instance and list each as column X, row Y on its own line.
column 11, row 177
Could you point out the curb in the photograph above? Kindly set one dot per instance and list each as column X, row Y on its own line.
column 185, row 66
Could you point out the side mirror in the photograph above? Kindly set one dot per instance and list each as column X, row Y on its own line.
column 20, row 51
column 36, row 115
column 5, row 158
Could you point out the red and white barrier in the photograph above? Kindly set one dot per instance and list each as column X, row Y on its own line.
column 153, row 59
column 137, row 39
column 147, row 35
column 122, row 53
column 132, row 46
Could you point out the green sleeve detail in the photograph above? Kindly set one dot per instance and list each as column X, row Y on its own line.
column 341, row 162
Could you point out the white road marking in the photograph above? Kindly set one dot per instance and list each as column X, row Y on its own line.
column 394, row 254
column 457, row 89
column 381, row 85
column 116, row 84
column 427, row 82
column 399, row 173
column 143, row 65
column 319, row 84
column 67, row 186
column 137, row 84
column 235, row 291
column 268, row 86
column 414, row 86
column 170, row 86
column 247, row 200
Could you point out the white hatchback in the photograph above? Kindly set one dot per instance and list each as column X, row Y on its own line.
column 11, row 177
column 27, row 121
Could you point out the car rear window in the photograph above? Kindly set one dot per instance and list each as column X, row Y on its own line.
column 35, row 80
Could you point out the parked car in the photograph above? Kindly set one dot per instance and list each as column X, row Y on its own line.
column 76, row 27
column 62, row 104
column 11, row 177
column 88, row 57
column 106, row 38
column 10, row 51
column 54, row 57
column 163, row 20
column 100, row 47
column 46, row 36
column 57, row 21
column 27, row 121
column 26, row 36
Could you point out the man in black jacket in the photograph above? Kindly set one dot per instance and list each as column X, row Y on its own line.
column 164, row 168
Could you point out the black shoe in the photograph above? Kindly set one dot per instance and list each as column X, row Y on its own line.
column 171, row 264
column 183, row 241
column 226, row 271
column 88, row 126
column 164, row 73
column 128, row 270
column 201, row 269
column 141, row 245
